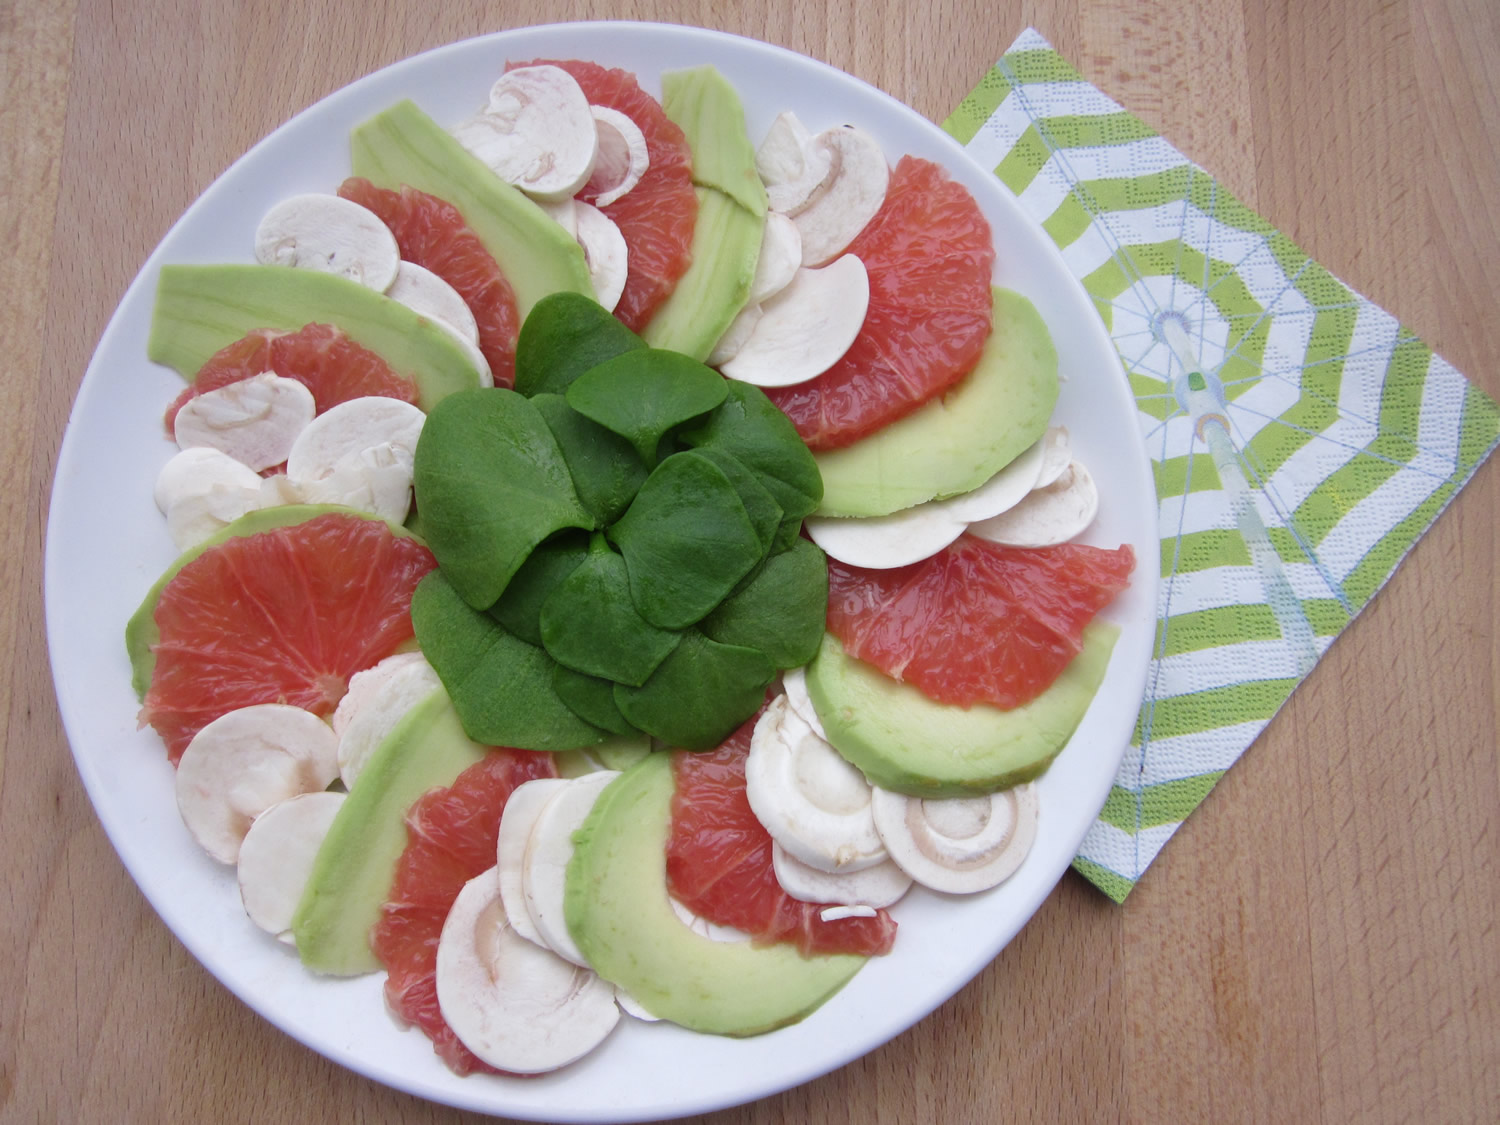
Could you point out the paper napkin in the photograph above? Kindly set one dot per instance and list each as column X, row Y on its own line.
column 1301, row 439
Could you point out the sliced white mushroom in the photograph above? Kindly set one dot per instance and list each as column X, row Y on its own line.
column 780, row 257
column 735, row 335
column 254, row 420
column 359, row 453
column 880, row 885
column 194, row 518
column 418, row 288
column 276, row 858
column 883, row 542
column 277, row 489
column 805, row 328
column 1001, row 492
column 564, row 213
column 375, row 480
column 960, row 845
column 1048, row 515
column 351, row 426
column 517, row 1006
column 202, row 489
column 1056, row 456
column 537, row 132
column 549, row 847
column 791, row 164
column 522, row 808
column 332, row 234
column 621, row 157
column 794, row 684
column 244, row 762
column 812, row 802
column 848, row 197
column 367, row 685
column 365, row 723
column 605, row 252
column 839, row 913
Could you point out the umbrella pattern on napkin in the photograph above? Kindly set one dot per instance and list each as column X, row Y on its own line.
column 1301, row 439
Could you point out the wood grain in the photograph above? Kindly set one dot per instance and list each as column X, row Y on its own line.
column 1319, row 943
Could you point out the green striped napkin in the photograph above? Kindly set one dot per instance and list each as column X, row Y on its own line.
column 1302, row 440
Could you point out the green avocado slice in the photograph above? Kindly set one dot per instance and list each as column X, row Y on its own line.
column 618, row 912
column 200, row 309
column 537, row 256
column 902, row 740
column 955, row 443
column 351, row 876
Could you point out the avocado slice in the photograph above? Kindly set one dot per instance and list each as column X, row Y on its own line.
column 200, row 309
column 954, row 443
column 404, row 146
column 904, row 741
column 618, row 912
column 731, row 214
column 726, row 246
column 351, row 877
column 141, row 633
column 707, row 108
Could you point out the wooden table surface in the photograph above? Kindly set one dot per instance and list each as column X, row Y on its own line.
column 1318, row 943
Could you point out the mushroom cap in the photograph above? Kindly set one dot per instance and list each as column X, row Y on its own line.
column 276, row 858
column 517, row 1006
column 245, row 761
column 522, row 808
column 812, row 802
column 960, row 845
column 549, row 847
column 805, row 328
column 1046, row 516
column 256, row 420
column 331, row 234
column 537, row 132
column 848, row 197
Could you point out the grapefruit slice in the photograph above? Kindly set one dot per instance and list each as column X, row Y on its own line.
column 977, row 622
column 319, row 356
column 432, row 233
column 451, row 836
column 719, row 861
column 283, row 615
column 929, row 258
column 656, row 216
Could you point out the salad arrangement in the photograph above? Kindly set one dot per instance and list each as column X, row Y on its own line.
column 395, row 458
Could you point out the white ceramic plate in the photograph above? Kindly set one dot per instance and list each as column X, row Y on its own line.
column 107, row 543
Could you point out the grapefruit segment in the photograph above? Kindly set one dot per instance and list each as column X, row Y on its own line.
column 432, row 233
column 451, row 837
column 977, row 622
column 929, row 257
column 657, row 215
column 319, row 356
column 719, row 861
column 285, row 615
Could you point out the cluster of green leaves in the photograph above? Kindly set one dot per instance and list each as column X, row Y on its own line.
column 617, row 543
